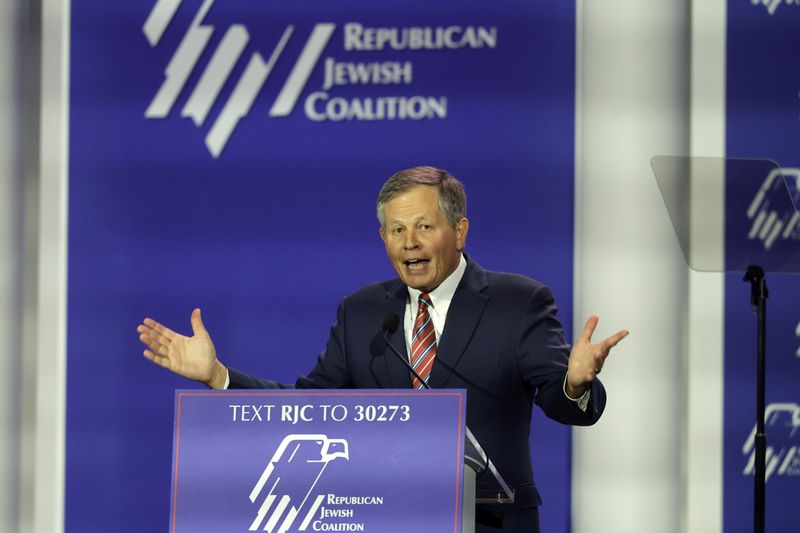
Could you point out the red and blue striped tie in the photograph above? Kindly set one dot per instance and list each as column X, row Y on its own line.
column 423, row 343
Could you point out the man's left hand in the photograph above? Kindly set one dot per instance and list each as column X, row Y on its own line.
column 586, row 360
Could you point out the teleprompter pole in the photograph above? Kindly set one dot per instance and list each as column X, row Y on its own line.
column 758, row 300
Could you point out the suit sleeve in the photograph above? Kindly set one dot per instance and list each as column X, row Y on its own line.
column 542, row 356
column 330, row 372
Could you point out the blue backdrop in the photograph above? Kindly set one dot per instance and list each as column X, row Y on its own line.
column 763, row 80
column 262, row 214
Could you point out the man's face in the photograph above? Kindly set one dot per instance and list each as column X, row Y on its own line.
column 423, row 248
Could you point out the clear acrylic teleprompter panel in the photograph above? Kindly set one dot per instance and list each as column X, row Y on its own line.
column 732, row 213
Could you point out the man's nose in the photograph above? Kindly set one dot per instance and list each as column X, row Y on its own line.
column 411, row 242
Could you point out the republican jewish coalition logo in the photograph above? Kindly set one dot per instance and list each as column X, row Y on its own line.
column 770, row 224
column 285, row 487
column 773, row 5
column 320, row 105
column 782, row 426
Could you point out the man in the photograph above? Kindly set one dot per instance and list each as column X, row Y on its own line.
column 494, row 334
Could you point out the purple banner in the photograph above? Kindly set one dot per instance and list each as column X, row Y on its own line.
column 763, row 83
column 385, row 461
column 227, row 155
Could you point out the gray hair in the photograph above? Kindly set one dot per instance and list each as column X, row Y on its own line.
column 452, row 198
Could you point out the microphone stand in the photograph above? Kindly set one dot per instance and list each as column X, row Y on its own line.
column 507, row 496
column 387, row 332
column 758, row 300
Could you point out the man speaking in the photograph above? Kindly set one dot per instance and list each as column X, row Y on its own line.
column 494, row 334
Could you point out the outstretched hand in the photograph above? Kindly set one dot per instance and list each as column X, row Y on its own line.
column 191, row 357
column 586, row 360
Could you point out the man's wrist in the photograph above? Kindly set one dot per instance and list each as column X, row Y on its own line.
column 575, row 393
column 219, row 376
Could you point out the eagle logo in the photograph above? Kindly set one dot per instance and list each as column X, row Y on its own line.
column 286, row 484
column 232, row 45
column 774, row 218
column 782, row 424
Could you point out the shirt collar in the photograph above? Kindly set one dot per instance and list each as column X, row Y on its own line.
column 442, row 295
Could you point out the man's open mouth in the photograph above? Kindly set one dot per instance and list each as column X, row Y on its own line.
column 416, row 264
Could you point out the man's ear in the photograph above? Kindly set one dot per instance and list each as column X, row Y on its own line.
column 462, row 228
column 383, row 234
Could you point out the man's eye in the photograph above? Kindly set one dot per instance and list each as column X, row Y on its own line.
column 397, row 231
column 425, row 227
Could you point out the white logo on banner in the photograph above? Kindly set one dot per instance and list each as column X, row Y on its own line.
column 797, row 334
column 768, row 224
column 772, row 5
column 319, row 106
column 304, row 458
column 782, row 426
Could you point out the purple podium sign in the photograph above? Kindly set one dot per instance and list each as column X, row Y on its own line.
column 378, row 461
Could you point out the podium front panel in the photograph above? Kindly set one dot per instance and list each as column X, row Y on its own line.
column 291, row 461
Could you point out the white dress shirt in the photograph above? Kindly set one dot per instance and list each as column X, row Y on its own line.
column 441, row 297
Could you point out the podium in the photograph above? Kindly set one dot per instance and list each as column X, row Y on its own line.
column 378, row 461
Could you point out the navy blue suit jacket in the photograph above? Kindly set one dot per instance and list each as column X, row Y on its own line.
column 502, row 342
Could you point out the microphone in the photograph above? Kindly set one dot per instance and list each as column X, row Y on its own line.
column 390, row 324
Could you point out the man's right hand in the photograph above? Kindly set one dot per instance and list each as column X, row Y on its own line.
column 191, row 357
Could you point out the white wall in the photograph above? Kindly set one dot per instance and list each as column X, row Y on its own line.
column 11, row 183
column 650, row 82
column 702, row 450
column 632, row 104
column 43, row 307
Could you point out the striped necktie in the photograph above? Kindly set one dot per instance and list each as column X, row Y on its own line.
column 423, row 343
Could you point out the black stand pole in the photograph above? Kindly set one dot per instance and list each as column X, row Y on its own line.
column 758, row 299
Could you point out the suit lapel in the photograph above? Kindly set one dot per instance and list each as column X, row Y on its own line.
column 462, row 319
column 395, row 302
